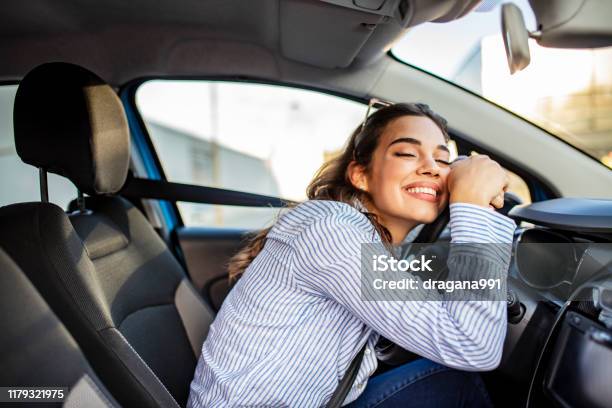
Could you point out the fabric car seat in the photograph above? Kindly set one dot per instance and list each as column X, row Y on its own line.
column 36, row 350
column 102, row 268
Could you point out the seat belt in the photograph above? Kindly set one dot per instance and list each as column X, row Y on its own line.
column 345, row 385
column 136, row 187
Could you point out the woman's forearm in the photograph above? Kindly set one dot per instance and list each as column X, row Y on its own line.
column 465, row 328
column 456, row 331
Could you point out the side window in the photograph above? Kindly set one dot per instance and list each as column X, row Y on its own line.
column 518, row 186
column 240, row 136
column 19, row 181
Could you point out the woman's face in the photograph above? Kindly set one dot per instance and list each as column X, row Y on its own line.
column 407, row 175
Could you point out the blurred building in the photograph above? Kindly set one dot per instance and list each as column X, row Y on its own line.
column 193, row 160
column 573, row 101
column 19, row 180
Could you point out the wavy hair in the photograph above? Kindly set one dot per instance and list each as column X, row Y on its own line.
column 331, row 182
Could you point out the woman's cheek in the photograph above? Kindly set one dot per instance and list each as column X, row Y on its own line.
column 443, row 202
column 444, row 178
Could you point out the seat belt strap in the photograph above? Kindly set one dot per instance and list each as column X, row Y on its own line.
column 136, row 187
column 345, row 385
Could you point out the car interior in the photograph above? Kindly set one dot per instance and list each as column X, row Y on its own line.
column 111, row 292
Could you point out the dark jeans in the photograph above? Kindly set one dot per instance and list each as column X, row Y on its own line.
column 423, row 383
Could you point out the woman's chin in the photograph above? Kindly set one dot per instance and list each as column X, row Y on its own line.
column 427, row 219
column 422, row 216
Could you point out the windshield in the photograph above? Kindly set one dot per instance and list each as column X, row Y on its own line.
column 566, row 92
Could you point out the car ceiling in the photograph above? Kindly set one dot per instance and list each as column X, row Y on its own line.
column 301, row 41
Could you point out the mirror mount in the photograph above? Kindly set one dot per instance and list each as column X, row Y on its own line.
column 573, row 23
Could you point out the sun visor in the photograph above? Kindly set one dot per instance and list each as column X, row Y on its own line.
column 337, row 33
column 323, row 35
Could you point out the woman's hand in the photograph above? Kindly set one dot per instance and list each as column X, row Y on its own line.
column 477, row 180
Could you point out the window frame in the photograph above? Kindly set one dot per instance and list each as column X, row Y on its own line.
column 169, row 212
column 142, row 144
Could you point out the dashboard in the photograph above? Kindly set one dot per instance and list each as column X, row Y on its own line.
column 560, row 245
column 560, row 302
column 556, row 262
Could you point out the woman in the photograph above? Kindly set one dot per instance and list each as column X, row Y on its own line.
column 295, row 319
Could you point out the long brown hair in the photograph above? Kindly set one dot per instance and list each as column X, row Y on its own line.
column 331, row 182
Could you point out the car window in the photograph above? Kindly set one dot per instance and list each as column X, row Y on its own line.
column 248, row 137
column 518, row 186
column 19, row 181
column 567, row 92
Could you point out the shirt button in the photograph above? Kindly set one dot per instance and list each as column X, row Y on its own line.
column 360, row 386
column 367, row 351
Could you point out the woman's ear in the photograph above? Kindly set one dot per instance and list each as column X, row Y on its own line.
column 357, row 176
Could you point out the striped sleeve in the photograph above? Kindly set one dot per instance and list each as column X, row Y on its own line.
column 471, row 223
column 490, row 232
column 466, row 335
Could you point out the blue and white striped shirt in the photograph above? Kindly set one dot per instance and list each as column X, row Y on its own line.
column 290, row 327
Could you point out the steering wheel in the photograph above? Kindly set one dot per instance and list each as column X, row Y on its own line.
column 389, row 352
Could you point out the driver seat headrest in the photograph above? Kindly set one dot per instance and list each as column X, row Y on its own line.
column 68, row 121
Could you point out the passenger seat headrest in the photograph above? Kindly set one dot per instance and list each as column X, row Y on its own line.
column 68, row 121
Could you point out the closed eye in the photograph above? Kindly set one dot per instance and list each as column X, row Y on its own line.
column 400, row 154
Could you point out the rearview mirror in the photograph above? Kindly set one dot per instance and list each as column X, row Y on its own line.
column 516, row 37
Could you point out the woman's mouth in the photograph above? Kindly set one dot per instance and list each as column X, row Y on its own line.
column 423, row 192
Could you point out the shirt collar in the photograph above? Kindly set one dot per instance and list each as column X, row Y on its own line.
column 359, row 205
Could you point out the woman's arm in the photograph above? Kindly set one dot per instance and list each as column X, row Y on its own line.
column 462, row 334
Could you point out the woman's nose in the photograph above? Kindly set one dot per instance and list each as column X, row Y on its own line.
column 428, row 166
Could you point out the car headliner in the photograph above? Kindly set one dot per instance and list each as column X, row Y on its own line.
column 123, row 40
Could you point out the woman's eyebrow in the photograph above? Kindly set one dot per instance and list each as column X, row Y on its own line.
column 415, row 142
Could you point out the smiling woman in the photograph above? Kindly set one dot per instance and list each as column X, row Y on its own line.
column 411, row 163
column 299, row 299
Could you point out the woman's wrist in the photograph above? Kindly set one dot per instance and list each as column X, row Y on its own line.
column 473, row 223
column 475, row 199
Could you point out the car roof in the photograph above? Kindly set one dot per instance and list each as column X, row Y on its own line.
column 296, row 41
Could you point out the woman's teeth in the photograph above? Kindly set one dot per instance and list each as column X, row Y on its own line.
column 423, row 190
